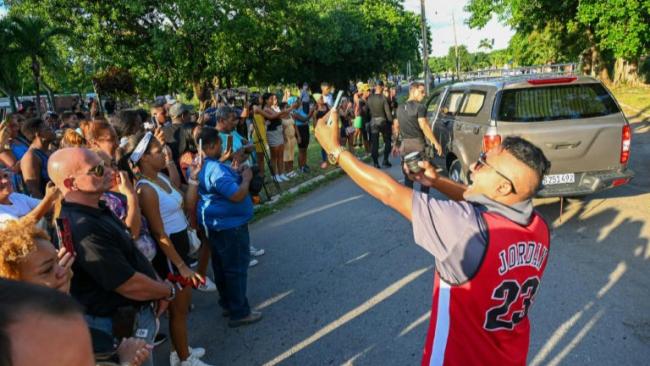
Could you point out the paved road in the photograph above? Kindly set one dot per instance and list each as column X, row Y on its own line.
column 343, row 283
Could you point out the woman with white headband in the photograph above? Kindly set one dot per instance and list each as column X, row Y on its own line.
column 162, row 205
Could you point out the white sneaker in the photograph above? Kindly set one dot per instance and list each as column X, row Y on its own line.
column 208, row 286
column 257, row 252
column 292, row 174
column 283, row 176
column 193, row 362
column 253, row 263
column 195, row 353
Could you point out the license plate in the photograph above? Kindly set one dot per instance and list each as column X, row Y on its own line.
column 559, row 179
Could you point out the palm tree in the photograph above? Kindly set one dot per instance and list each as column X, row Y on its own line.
column 486, row 43
column 33, row 37
column 9, row 59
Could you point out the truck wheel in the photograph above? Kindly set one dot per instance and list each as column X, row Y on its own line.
column 456, row 172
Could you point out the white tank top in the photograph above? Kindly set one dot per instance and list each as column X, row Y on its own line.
column 170, row 205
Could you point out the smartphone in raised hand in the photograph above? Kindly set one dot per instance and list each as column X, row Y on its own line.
column 229, row 143
column 64, row 234
column 335, row 106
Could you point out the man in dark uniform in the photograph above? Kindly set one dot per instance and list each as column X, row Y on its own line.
column 412, row 124
column 381, row 122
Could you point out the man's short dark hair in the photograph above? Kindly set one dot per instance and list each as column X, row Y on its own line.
column 324, row 84
column 126, row 123
column 19, row 298
column 415, row 85
column 30, row 128
column 527, row 153
column 209, row 136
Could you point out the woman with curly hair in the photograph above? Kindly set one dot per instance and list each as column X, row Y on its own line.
column 27, row 254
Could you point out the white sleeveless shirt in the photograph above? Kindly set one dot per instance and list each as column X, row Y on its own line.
column 170, row 205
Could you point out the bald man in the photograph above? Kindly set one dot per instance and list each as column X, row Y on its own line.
column 112, row 279
column 489, row 244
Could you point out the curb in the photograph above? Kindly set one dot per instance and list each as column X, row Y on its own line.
column 295, row 189
column 309, row 183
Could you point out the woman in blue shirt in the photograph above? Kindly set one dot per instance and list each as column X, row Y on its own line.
column 224, row 210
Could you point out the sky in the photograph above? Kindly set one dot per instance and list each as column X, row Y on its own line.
column 438, row 14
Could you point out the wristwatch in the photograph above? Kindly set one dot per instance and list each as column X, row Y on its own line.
column 333, row 157
column 172, row 289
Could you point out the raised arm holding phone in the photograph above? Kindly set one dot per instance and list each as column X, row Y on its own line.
column 469, row 237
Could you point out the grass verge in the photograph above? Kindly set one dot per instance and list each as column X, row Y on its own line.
column 285, row 199
column 635, row 97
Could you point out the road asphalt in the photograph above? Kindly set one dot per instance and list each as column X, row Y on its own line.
column 342, row 283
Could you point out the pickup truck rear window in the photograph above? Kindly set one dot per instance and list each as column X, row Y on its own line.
column 556, row 102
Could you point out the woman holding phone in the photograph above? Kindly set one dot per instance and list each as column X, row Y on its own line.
column 162, row 205
column 274, row 135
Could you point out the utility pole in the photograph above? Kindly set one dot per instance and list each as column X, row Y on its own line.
column 425, row 48
column 453, row 21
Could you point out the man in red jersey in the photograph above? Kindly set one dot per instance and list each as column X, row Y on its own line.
column 489, row 244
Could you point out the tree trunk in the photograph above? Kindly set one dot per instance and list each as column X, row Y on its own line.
column 626, row 72
column 36, row 71
column 202, row 92
column 12, row 103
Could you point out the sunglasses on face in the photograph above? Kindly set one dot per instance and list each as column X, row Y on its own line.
column 97, row 170
column 482, row 162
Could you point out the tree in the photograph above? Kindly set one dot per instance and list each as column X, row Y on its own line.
column 622, row 27
column 486, row 43
column 9, row 60
column 32, row 37
column 196, row 45
column 464, row 59
column 598, row 31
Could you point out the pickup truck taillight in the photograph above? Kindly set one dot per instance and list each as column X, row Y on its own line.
column 625, row 144
column 491, row 139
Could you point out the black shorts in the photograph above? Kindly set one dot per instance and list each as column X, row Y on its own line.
column 344, row 124
column 163, row 265
column 365, row 131
column 303, row 131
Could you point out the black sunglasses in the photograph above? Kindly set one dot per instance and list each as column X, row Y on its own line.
column 481, row 162
column 97, row 170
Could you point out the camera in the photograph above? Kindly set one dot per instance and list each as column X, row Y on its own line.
column 411, row 160
column 257, row 183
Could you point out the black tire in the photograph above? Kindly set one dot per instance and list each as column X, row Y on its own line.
column 456, row 172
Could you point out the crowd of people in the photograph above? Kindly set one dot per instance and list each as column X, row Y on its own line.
column 123, row 210
column 108, row 221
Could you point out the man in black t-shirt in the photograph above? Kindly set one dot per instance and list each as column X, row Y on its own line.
column 413, row 126
column 114, row 282
column 381, row 122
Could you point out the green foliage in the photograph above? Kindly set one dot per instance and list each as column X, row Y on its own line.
column 599, row 31
column 27, row 39
column 9, row 60
column 189, row 45
column 622, row 26
column 469, row 61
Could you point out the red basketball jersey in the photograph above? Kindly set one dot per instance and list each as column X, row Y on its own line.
column 484, row 320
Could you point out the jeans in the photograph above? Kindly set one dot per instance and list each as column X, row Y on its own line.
column 384, row 129
column 230, row 258
column 145, row 327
